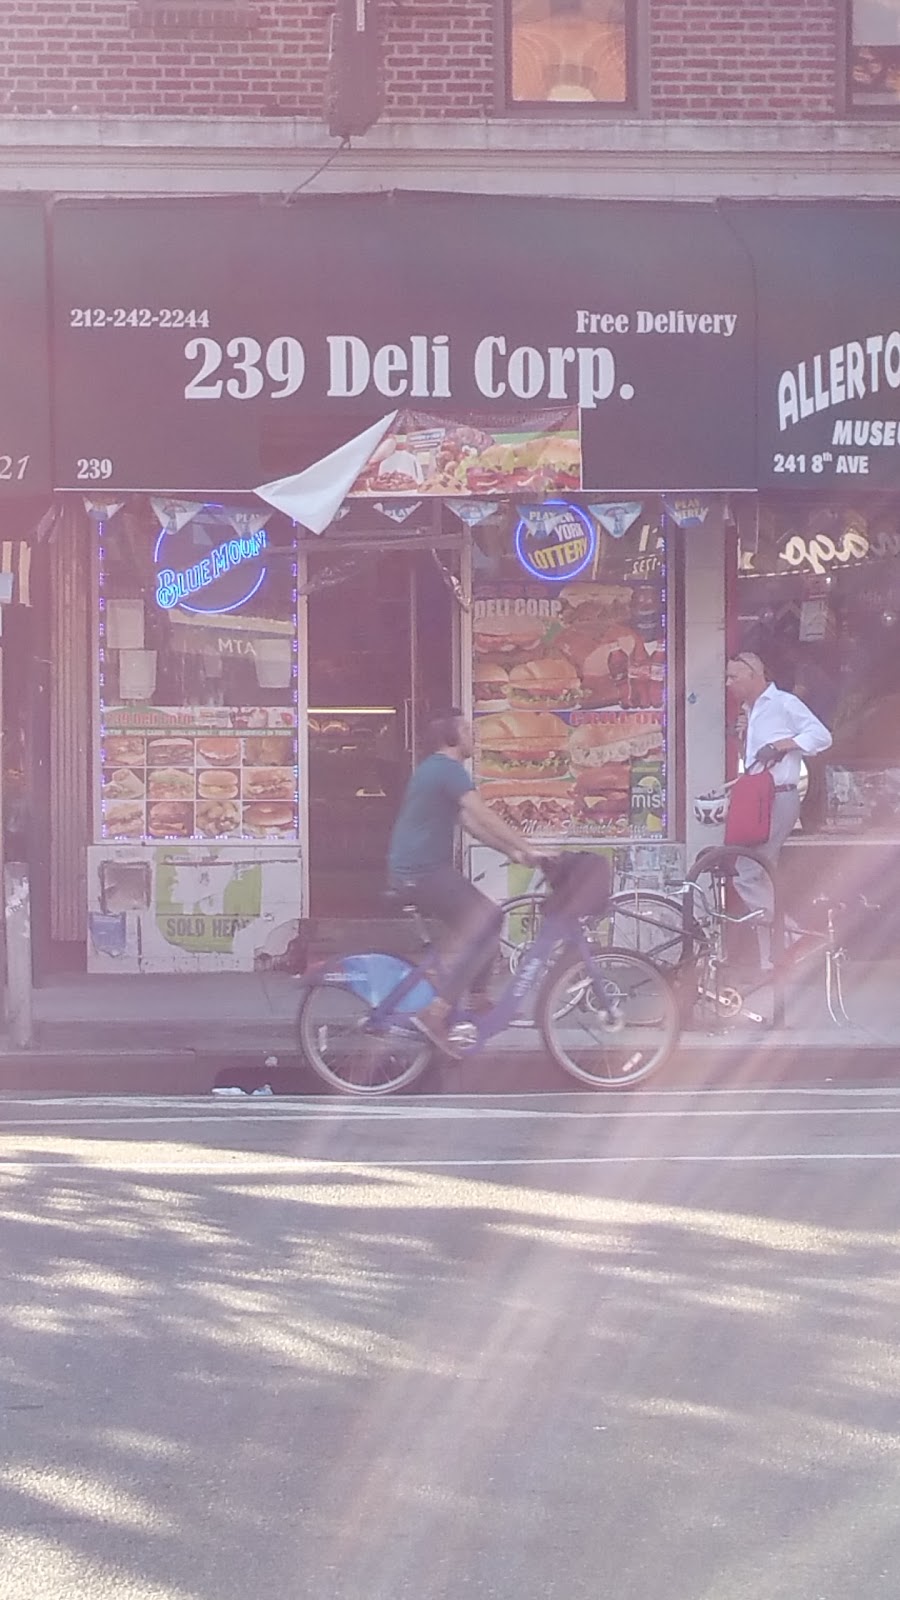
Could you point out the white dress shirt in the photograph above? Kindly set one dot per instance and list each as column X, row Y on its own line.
column 778, row 715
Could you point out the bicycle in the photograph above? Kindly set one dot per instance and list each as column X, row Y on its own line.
column 689, row 935
column 608, row 1017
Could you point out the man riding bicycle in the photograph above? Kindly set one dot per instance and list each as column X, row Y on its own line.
column 439, row 794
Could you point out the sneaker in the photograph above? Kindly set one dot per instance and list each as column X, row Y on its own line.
column 462, row 1034
column 432, row 1021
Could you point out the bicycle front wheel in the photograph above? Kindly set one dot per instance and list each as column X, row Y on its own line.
column 650, row 924
column 339, row 1043
column 611, row 1021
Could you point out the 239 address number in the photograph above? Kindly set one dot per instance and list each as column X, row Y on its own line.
column 93, row 469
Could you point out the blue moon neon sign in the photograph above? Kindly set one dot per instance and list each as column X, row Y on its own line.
column 225, row 578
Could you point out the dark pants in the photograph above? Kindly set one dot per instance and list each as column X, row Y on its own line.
column 472, row 922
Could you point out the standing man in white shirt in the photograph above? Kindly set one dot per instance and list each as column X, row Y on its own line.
column 780, row 731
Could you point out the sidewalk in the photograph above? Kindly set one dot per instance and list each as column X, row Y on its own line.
column 185, row 1034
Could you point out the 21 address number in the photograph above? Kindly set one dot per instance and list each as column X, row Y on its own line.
column 13, row 468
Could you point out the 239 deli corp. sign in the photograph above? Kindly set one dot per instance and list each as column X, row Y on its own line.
column 241, row 333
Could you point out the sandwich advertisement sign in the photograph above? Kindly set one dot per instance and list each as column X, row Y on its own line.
column 527, row 344
column 568, row 686
column 428, row 455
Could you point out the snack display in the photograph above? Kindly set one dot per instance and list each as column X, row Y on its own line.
column 199, row 784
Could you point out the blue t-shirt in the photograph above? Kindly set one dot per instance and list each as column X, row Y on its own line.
column 422, row 837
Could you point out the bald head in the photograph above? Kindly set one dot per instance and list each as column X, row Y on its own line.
column 746, row 676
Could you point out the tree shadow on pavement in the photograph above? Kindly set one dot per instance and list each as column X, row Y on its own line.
column 269, row 1375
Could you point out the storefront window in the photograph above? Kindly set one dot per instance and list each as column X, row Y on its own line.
column 197, row 674
column 819, row 600
column 875, row 54
column 568, row 52
column 569, row 668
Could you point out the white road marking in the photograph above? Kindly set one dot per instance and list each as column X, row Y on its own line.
column 543, row 1097
column 273, row 1165
column 449, row 1114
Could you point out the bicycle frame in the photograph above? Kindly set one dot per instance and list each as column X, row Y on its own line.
column 554, row 933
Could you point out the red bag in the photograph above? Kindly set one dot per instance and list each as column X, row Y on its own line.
column 749, row 819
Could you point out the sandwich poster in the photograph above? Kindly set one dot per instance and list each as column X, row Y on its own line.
column 568, row 694
column 198, row 773
column 538, row 452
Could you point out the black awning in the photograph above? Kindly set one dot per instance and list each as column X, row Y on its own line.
column 828, row 341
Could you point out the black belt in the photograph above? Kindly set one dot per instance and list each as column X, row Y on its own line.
column 785, row 788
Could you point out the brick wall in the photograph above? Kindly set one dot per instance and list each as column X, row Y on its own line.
column 762, row 60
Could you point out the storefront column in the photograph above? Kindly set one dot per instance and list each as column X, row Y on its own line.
column 704, row 669
column 71, row 589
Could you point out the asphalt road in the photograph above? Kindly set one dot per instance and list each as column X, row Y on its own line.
column 530, row 1348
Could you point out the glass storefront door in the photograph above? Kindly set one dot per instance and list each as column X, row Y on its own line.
column 380, row 661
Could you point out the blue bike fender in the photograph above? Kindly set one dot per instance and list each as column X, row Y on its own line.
column 373, row 975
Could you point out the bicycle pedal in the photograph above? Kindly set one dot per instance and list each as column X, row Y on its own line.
column 462, row 1033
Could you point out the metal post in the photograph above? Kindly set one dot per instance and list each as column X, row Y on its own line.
column 17, row 909
column 2, row 826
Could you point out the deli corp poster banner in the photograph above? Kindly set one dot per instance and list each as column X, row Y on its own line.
column 217, row 345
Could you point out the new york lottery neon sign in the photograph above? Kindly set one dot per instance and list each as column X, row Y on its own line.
column 555, row 541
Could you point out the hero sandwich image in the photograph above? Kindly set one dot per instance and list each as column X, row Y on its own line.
column 542, row 775
column 585, row 653
column 524, row 764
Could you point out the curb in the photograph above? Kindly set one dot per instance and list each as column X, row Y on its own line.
column 191, row 1072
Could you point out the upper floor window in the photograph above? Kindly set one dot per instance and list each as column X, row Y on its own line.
column 569, row 53
column 874, row 55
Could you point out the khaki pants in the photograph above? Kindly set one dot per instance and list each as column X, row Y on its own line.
column 753, row 883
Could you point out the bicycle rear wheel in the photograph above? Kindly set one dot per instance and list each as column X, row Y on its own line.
column 342, row 1048
column 610, row 1022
